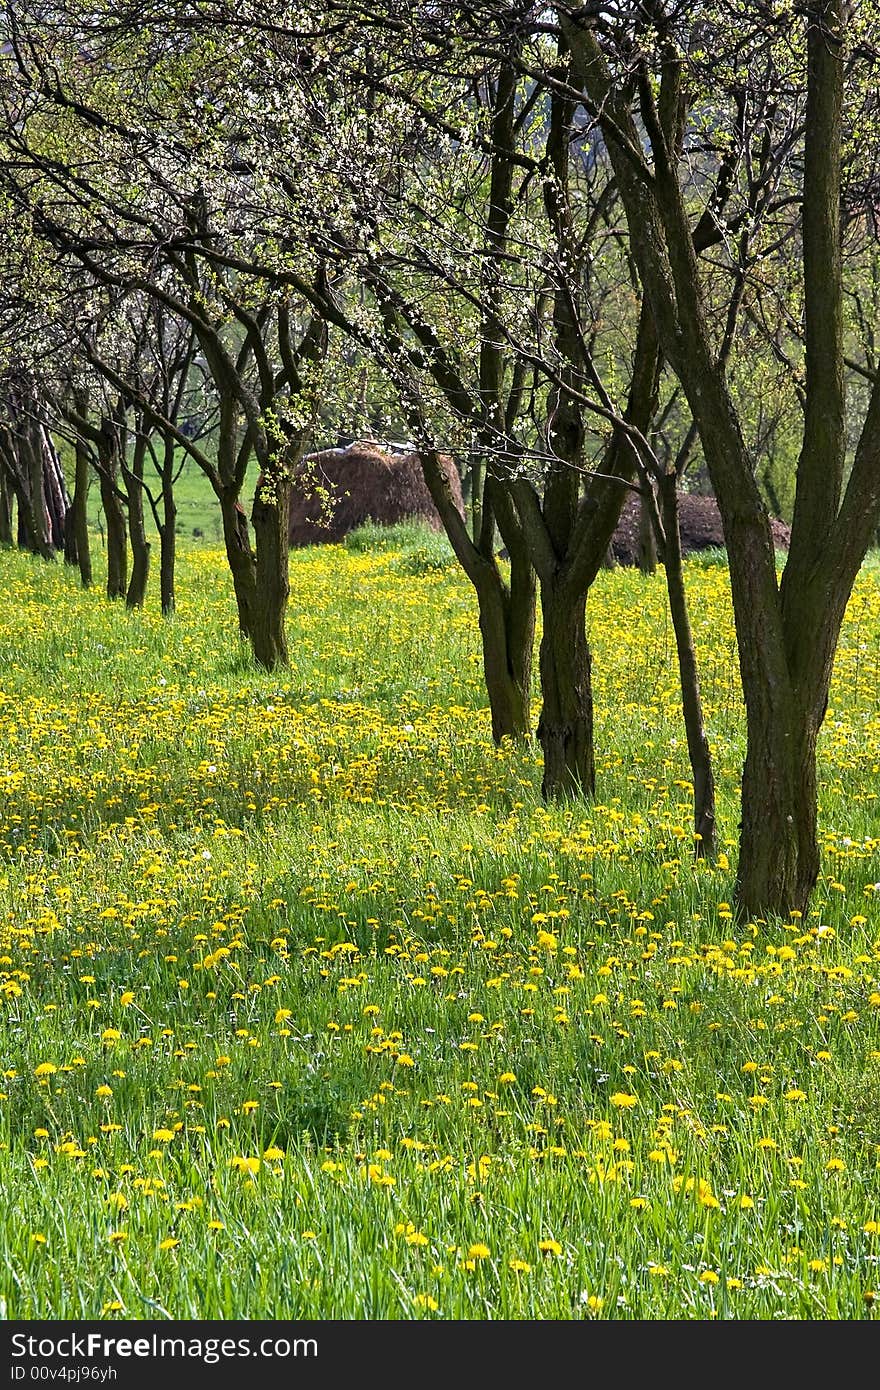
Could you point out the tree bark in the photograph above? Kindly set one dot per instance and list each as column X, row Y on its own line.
column 779, row 849
column 507, row 629
column 647, row 539
column 54, row 489
column 241, row 558
column 272, row 578
column 692, row 707
column 5, row 510
column 77, row 518
column 168, row 534
column 140, row 546
column 565, row 728
column 40, row 520
column 114, row 513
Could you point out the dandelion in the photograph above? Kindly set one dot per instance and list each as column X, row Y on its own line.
column 478, row 1252
column 622, row 1100
column 549, row 1247
column 245, row 1165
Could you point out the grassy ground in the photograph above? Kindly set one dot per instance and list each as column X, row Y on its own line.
column 198, row 512
column 313, row 1010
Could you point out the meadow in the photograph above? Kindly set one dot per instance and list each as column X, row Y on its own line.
column 311, row 1009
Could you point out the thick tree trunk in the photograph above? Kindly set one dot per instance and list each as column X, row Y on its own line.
column 23, row 529
column 117, row 543
column 167, row 564
column 54, row 490
column 507, row 628
column 647, row 538
column 241, row 558
column 272, row 587
column 779, row 848
column 565, row 728
column 77, row 517
column 692, row 706
column 140, row 564
column 140, row 546
column 114, row 512
column 39, row 519
column 5, row 510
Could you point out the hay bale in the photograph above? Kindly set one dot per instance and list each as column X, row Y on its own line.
column 337, row 490
column 699, row 522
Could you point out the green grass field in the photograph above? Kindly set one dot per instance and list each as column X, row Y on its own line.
column 311, row 1008
column 198, row 514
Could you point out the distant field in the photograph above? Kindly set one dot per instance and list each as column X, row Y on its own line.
column 198, row 513
column 312, row 1009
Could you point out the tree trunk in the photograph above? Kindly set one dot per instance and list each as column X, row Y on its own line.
column 565, row 728
column 168, row 544
column 140, row 565
column 54, row 489
column 167, row 528
column 23, row 530
column 5, row 510
column 692, row 707
column 114, row 513
column 779, row 848
column 140, row 546
column 507, row 628
column 39, row 519
column 241, row 558
column 77, row 517
column 272, row 588
column 647, row 539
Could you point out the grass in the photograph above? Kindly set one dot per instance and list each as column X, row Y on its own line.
column 311, row 1009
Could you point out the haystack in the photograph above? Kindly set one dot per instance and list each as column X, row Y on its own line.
column 699, row 522
column 337, row 490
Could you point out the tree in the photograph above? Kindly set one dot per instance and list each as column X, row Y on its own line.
column 786, row 631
